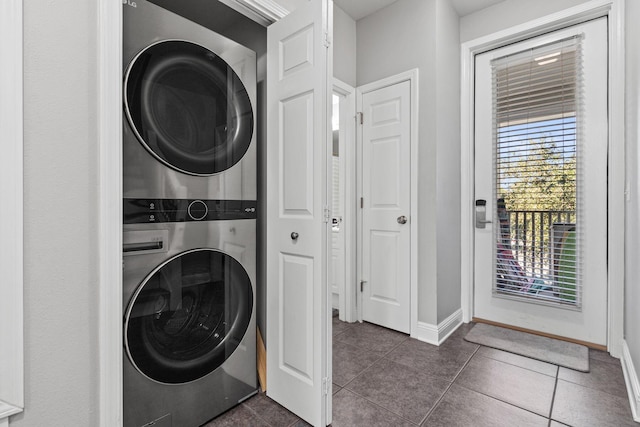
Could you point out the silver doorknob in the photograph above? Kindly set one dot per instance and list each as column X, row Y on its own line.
column 294, row 236
column 402, row 219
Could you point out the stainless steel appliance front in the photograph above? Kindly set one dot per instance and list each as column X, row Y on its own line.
column 189, row 320
column 190, row 97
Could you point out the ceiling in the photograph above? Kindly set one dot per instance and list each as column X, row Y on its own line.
column 267, row 11
column 358, row 9
column 466, row 7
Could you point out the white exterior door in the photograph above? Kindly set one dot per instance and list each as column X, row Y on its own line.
column 543, row 268
column 386, row 193
column 298, row 218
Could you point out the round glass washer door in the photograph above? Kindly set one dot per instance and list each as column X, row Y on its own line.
column 188, row 108
column 188, row 316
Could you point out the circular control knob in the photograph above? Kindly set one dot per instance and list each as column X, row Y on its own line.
column 198, row 210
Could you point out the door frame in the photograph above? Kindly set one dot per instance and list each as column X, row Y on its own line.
column 412, row 77
column 349, row 214
column 614, row 10
column 109, row 141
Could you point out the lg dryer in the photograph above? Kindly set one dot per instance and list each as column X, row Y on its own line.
column 189, row 97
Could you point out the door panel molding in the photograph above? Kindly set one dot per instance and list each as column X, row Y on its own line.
column 412, row 77
column 614, row 10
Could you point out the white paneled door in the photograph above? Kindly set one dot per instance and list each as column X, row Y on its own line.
column 541, row 137
column 298, row 215
column 386, row 192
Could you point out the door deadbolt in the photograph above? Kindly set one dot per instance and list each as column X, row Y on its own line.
column 481, row 214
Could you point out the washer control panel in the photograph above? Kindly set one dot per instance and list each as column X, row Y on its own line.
column 145, row 211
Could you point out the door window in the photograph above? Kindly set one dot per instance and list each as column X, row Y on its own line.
column 188, row 107
column 537, row 114
column 188, row 316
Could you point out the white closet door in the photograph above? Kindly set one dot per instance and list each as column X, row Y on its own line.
column 298, row 217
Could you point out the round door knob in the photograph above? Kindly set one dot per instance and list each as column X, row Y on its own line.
column 402, row 219
column 294, row 236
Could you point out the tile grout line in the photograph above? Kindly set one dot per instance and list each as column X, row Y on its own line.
column 553, row 397
column 383, row 356
column 255, row 413
column 435, row 405
column 382, row 407
column 466, row 363
column 503, row 401
column 518, row 366
column 496, row 398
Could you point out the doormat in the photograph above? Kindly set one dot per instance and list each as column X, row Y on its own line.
column 562, row 353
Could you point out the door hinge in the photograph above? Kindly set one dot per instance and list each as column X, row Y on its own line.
column 362, row 282
column 326, row 39
column 361, row 202
column 327, row 215
column 360, row 117
column 325, row 386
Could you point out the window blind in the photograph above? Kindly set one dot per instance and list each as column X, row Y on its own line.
column 537, row 97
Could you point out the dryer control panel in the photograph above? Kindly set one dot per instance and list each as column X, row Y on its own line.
column 145, row 211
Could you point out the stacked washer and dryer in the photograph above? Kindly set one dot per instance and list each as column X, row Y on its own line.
column 189, row 232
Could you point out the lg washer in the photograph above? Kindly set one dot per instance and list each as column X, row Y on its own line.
column 189, row 311
column 189, row 97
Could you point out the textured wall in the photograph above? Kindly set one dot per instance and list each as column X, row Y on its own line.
column 344, row 47
column 508, row 14
column 60, row 201
column 447, row 158
column 424, row 34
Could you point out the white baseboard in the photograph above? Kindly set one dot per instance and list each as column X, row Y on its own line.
column 437, row 334
column 632, row 381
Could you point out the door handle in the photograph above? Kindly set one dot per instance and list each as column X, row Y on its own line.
column 143, row 246
column 294, row 236
column 402, row 219
column 481, row 214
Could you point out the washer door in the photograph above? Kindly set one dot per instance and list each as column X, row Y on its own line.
column 188, row 107
column 188, row 316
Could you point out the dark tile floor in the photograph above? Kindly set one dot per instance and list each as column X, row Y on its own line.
column 384, row 378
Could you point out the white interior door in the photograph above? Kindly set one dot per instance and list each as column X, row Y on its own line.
column 386, row 193
column 541, row 263
column 298, row 217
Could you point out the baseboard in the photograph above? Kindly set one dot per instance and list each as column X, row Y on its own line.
column 437, row 334
column 632, row 381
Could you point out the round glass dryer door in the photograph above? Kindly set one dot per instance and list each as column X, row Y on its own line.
column 188, row 107
column 188, row 316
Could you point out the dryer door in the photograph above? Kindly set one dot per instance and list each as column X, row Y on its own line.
column 188, row 107
column 188, row 316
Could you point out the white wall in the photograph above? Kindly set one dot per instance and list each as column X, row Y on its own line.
column 632, row 220
column 424, row 34
column 344, row 47
column 447, row 61
column 508, row 14
column 60, row 201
